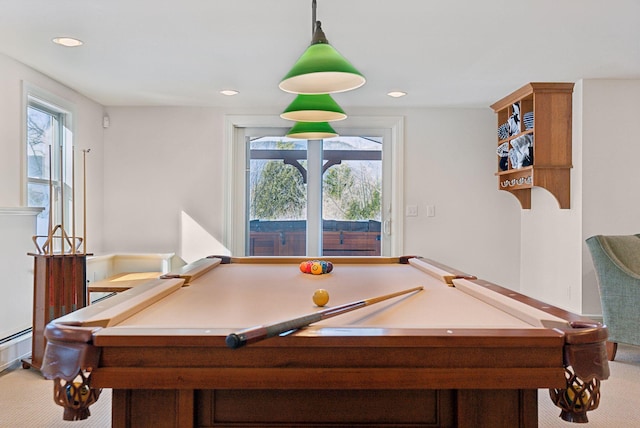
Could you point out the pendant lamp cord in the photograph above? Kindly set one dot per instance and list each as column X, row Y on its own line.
column 313, row 17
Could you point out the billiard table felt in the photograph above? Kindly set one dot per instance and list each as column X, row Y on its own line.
column 238, row 296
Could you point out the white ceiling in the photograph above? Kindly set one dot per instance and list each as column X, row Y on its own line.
column 453, row 53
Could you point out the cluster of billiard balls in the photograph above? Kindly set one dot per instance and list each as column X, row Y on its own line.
column 316, row 267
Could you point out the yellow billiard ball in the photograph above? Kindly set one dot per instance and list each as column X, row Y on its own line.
column 77, row 393
column 576, row 400
column 316, row 268
column 321, row 297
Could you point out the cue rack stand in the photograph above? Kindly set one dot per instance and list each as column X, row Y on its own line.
column 60, row 270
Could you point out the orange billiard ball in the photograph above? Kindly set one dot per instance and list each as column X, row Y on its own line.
column 321, row 297
column 303, row 267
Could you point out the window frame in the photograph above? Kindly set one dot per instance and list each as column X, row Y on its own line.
column 36, row 97
column 392, row 129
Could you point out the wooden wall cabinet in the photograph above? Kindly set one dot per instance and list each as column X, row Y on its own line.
column 551, row 107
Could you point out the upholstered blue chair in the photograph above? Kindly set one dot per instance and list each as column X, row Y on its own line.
column 617, row 264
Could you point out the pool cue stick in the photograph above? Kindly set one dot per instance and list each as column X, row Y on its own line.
column 73, row 200
column 50, row 232
column 63, row 233
column 254, row 334
column 84, row 199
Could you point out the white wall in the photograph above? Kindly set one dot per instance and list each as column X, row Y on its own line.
column 161, row 163
column 88, row 135
column 611, row 169
column 551, row 262
column 450, row 161
column 17, row 226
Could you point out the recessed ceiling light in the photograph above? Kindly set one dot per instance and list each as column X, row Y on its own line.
column 67, row 41
column 229, row 92
column 397, row 94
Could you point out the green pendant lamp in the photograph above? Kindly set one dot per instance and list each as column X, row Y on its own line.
column 314, row 108
column 321, row 70
column 312, row 131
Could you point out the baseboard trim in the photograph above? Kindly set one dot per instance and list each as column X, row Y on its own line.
column 14, row 349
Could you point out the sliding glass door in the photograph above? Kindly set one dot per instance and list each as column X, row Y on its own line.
column 314, row 198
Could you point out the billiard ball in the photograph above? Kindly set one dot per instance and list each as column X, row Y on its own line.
column 576, row 399
column 321, row 297
column 304, row 266
column 77, row 392
column 329, row 267
column 316, row 267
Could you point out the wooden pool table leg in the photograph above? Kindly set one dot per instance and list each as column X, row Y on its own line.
column 612, row 349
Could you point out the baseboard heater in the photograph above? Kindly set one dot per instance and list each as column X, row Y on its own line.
column 14, row 347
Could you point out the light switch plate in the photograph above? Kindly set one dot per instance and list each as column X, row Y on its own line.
column 431, row 210
column 412, row 211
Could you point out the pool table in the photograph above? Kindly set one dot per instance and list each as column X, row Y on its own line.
column 461, row 352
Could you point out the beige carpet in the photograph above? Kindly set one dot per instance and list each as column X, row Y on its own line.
column 26, row 400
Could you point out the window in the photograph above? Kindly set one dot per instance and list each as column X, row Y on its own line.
column 284, row 191
column 49, row 142
column 290, row 197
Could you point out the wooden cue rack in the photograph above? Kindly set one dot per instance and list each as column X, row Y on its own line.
column 59, row 278
column 59, row 287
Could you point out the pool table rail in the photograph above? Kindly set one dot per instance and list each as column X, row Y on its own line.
column 192, row 271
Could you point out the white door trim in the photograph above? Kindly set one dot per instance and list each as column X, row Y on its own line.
column 392, row 215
